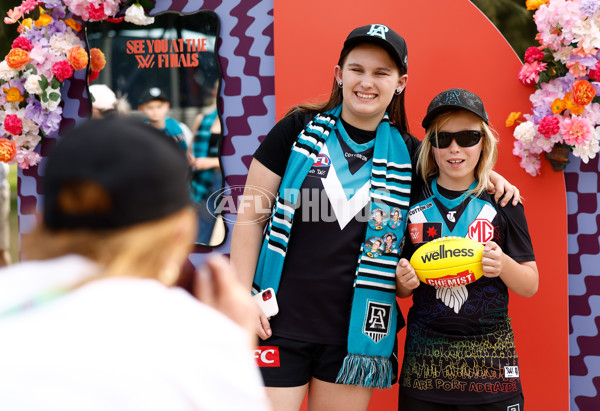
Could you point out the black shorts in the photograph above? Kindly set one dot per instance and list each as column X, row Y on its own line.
column 285, row 362
column 407, row 403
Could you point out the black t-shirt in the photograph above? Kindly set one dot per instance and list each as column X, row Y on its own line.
column 459, row 347
column 315, row 292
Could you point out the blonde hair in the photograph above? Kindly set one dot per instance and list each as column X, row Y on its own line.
column 145, row 250
column 489, row 152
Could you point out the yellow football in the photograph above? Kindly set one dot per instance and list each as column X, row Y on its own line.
column 448, row 262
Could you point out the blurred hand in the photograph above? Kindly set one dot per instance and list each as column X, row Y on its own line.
column 217, row 287
column 205, row 163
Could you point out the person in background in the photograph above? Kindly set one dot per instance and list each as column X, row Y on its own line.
column 203, row 156
column 91, row 319
column 460, row 338
column 155, row 105
column 105, row 102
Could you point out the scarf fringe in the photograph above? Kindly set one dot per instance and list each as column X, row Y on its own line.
column 364, row 371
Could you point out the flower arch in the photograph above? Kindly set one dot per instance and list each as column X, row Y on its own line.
column 50, row 48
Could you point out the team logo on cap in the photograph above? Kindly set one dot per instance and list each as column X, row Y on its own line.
column 154, row 92
column 451, row 97
column 378, row 320
column 378, row 30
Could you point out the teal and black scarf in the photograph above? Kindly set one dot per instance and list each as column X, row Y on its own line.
column 373, row 314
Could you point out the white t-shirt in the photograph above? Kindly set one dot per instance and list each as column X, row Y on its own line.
column 117, row 344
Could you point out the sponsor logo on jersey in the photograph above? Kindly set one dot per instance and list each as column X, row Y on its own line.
column 267, row 356
column 444, row 252
column 516, row 407
column 422, row 232
column 462, row 278
column 481, row 231
column 377, row 323
column 511, row 371
column 360, row 156
column 322, row 160
column 320, row 167
column 419, row 209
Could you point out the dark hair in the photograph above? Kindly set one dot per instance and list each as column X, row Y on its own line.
column 396, row 109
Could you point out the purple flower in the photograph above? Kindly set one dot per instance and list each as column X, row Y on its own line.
column 53, row 4
column 33, row 110
column 588, row 7
column 540, row 112
column 52, row 121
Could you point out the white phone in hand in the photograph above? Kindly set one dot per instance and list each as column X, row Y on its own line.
column 267, row 302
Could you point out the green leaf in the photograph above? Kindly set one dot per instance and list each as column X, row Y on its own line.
column 148, row 5
column 44, row 83
column 54, row 96
column 55, row 83
column 31, row 68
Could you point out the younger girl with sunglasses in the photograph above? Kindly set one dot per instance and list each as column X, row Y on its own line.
column 459, row 353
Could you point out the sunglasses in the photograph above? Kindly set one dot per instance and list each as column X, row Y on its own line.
column 465, row 138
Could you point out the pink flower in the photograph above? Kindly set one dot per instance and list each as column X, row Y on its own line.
column 26, row 159
column 533, row 54
column 13, row 124
column 531, row 164
column 22, row 43
column 96, row 12
column 529, row 73
column 62, row 70
column 576, row 130
column 13, row 15
column 576, row 69
column 549, row 126
column 595, row 72
column 29, row 5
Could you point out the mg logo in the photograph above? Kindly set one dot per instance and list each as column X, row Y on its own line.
column 481, row 231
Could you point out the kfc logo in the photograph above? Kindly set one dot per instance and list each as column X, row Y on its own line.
column 267, row 356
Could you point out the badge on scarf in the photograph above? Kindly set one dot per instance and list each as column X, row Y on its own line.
column 378, row 320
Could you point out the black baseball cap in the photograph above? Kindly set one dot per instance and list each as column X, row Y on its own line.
column 153, row 93
column 454, row 99
column 383, row 36
column 139, row 170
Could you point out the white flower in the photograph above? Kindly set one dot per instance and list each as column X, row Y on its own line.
column 28, row 139
column 588, row 150
column 6, row 73
column 563, row 54
column 525, row 132
column 136, row 15
column 32, row 84
column 53, row 99
column 587, row 34
column 61, row 43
